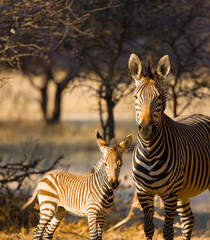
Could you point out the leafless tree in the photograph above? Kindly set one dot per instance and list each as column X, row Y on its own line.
column 103, row 34
column 35, row 28
column 32, row 34
column 106, row 53
column 43, row 73
column 181, row 29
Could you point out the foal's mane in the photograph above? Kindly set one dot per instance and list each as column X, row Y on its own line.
column 100, row 162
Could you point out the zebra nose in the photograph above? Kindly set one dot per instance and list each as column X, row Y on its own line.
column 115, row 184
column 147, row 129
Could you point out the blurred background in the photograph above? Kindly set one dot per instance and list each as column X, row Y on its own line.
column 63, row 73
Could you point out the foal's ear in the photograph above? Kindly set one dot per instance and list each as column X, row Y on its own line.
column 163, row 67
column 101, row 142
column 135, row 67
column 125, row 144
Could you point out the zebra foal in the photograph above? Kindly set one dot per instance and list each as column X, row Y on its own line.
column 172, row 157
column 87, row 196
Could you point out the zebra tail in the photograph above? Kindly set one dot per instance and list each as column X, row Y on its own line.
column 30, row 200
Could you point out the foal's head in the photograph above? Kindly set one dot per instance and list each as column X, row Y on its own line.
column 113, row 157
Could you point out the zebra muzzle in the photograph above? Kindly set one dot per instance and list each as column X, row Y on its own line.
column 147, row 130
column 115, row 184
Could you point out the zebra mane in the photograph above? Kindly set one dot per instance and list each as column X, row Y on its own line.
column 149, row 67
column 150, row 74
column 97, row 166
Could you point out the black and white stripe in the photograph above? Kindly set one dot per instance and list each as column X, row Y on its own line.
column 173, row 159
column 88, row 196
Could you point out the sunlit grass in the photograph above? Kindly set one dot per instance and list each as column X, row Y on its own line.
column 80, row 231
column 76, row 141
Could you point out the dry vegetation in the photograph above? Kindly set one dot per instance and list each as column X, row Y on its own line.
column 76, row 141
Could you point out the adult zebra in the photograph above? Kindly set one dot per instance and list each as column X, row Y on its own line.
column 171, row 157
column 90, row 195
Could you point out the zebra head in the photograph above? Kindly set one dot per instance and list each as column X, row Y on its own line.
column 149, row 96
column 112, row 156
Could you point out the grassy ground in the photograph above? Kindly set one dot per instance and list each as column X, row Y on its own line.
column 81, row 232
column 132, row 230
column 76, row 141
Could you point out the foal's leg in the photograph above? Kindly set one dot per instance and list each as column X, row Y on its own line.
column 53, row 224
column 45, row 217
column 92, row 221
column 100, row 222
column 187, row 218
column 47, row 211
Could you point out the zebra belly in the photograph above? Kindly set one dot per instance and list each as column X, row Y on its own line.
column 75, row 208
column 76, row 212
column 153, row 189
column 188, row 194
column 188, row 191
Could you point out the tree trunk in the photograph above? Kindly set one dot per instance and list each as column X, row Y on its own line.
column 110, row 119
column 101, row 114
column 110, row 108
column 57, row 104
column 174, row 103
column 44, row 102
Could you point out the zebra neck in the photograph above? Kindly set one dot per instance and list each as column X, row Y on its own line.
column 101, row 179
column 149, row 148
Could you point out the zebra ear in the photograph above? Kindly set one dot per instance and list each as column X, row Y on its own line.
column 101, row 142
column 163, row 67
column 135, row 67
column 125, row 144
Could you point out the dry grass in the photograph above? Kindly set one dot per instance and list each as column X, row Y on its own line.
column 80, row 231
column 76, row 141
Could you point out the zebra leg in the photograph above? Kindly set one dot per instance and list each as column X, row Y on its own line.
column 45, row 217
column 170, row 205
column 187, row 218
column 93, row 226
column 53, row 224
column 100, row 223
column 147, row 204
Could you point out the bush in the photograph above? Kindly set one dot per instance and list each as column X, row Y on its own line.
column 12, row 194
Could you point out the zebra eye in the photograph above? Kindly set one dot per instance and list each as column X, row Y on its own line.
column 135, row 96
column 120, row 163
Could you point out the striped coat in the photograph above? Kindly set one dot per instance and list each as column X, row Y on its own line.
column 86, row 196
column 172, row 157
column 165, row 169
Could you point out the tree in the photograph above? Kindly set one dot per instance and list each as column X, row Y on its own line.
column 43, row 73
column 37, row 28
column 181, row 31
column 106, row 53
column 126, row 28
column 32, row 34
